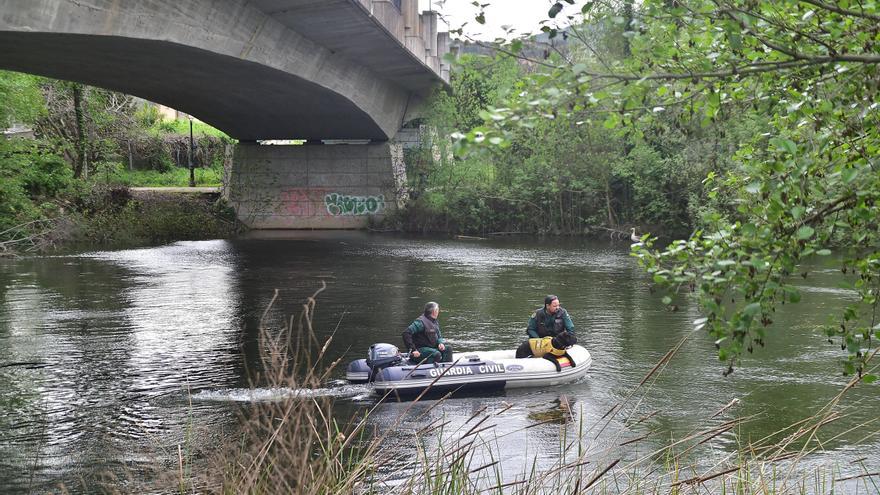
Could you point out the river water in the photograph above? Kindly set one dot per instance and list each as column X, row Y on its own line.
column 111, row 359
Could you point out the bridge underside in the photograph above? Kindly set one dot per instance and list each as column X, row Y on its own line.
column 258, row 70
column 246, row 100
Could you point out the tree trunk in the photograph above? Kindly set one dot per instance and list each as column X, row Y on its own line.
column 561, row 212
column 80, row 167
column 609, row 208
column 628, row 19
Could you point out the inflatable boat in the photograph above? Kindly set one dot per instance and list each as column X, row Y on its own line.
column 390, row 371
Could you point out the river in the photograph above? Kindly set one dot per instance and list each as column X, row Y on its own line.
column 113, row 358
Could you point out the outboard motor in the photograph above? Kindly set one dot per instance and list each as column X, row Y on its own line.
column 381, row 356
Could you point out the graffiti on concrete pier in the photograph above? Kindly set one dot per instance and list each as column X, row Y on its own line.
column 339, row 204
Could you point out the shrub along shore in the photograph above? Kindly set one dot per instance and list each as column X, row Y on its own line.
column 43, row 208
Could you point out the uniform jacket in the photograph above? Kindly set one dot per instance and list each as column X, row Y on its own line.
column 543, row 324
column 423, row 332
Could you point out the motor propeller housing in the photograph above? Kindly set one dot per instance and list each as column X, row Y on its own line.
column 381, row 356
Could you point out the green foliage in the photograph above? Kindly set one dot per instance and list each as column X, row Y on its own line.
column 154, row 153
column 797, row 83
column 555, row 167
column 477, row 82
column 807, row 184
column 181, row 126
column 92, row 144
column 30, row 178
column 85, row 125
column 20, row 98
column 113, row 217
column 148, row 116
column 174, row 177
column 451, row 194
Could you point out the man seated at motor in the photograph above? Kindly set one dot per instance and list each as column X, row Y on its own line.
column 541, row 346
column 550, row 320
column 423, row 340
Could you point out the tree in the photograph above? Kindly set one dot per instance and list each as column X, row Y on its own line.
column 804, row 186
column 29, row 177
column 84, row 123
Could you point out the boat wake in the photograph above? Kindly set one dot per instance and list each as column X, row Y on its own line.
column 340, row 390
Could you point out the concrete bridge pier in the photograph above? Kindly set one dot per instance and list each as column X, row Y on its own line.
column 329, row 186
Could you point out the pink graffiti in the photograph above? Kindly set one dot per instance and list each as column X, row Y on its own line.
column 303, row 201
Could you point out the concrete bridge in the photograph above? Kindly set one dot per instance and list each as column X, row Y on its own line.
column 264, row 69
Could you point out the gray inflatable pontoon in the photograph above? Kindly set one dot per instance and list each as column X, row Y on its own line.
column 390, row 371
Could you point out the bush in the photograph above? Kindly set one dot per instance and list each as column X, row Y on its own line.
column 169, row 126
column 100, row 198
column 147, row 115
column 30, row 179
column 115, row 217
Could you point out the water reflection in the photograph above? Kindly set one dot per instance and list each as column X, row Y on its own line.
column 181, row 313
column 130, row 350
column 123, row 337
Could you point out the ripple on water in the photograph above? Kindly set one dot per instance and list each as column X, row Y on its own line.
column 475, row 256
column 835, row 291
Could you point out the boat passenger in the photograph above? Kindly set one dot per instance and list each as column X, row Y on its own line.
column 423, row 340
column 550, row 320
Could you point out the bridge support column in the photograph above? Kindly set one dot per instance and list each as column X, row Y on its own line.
column 313, row 186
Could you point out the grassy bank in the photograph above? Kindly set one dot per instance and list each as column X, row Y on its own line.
column 174, row 177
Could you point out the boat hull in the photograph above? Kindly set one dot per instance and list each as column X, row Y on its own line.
column 473, row 371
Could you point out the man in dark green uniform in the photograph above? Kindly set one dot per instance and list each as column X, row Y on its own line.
column 423, row 340
column 550, row 320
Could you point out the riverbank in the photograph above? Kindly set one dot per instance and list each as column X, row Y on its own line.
column 121, row 217
column 46, row 205
column 480, row 216
column 132, row 217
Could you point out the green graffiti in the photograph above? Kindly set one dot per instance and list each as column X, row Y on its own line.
column 337, row 204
